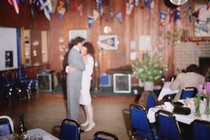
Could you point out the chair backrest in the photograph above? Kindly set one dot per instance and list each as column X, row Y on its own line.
column 143, row 100
column 188, row 92
column 21, row 73
column 6, row 125
column 201, row 130
column 102, row 135
column 151, row 102
column 168, row 127
column 139, row 122
column 70, row 130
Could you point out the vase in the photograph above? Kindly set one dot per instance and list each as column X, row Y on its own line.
column 148, row 86
column 207, row 109
column 197, row 107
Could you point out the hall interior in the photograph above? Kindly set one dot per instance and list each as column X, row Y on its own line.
column 46, row 111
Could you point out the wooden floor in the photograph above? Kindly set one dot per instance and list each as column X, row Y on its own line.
column 46, row 111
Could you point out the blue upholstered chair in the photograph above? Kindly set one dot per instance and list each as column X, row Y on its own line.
column 151, row 101
column 102, row 135
column 24, row 81
column 168, row 128
column 70, row 130
column 188, row 92
column 201, row 130
column 140, row 124
column 6, row 126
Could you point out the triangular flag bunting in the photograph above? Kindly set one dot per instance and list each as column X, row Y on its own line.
column 90, row 21
column 196, row 15
column 129, row 8
column 163, row 16
column 119, row 17
column 14, row 3
column 177, row 15
column 80, row 9
column 95, row 15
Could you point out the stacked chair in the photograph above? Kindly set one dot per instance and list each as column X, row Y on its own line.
column 31, row 84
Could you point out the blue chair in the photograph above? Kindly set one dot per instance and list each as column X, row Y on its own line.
column 25, row 82
column 168, row 128
column 70, row 130
column 201, row 130
column 6, row 126
column 102, row 135
column 140, row 124
column 188, row 92
column 151, row 101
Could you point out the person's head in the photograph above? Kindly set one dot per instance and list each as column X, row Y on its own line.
column 87, row 48
column 193, row 68
column 78, row 41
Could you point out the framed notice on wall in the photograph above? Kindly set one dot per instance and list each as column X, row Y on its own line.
column 201, row 16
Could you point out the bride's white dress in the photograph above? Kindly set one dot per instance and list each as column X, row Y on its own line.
column 85, row 98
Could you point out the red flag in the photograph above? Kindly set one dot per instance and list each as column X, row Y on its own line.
column 15, row 5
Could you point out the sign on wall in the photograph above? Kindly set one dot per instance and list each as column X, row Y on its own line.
column 8, row 48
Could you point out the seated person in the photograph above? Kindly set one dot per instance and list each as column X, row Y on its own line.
column 189, row 79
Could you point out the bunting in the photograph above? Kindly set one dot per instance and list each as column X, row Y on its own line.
column 171, row 15
column 136, row 2
column 163, row 16
column 111, row 13
column 46, row 7
column 98, row 4
column 61, row 10
column 95, row 15
column 54, row 5
column 129, row 8
column 90, row 21
column 177, row 15
column 119, row 17
column 80, row 9
column 208, row 4
column 14, row 3
column 196, row 15
column 147, row 3
column 67, row 5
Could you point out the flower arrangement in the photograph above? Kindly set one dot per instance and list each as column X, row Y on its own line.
column 148, row 70
column 203, row 91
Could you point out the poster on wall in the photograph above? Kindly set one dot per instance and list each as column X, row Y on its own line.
column 9, row 52
column 75, row 33
column 8, row 59
column 201, row 20
column 108, row 42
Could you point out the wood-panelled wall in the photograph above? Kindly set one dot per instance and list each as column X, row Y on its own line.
column 142, row 21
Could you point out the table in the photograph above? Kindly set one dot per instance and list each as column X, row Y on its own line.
column 186, row 119
column 37, row 132
column 166, row 90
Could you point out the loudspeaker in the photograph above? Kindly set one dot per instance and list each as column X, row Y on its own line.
column 122, row 83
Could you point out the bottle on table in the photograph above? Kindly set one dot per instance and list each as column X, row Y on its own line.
column 21, row 131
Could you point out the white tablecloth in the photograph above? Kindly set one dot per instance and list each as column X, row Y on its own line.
column 34, row 133
column 187, row 119
column 166, row 90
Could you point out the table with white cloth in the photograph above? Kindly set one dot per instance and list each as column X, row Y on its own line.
column 166, row 90
column 186, row 119
column 36, row 133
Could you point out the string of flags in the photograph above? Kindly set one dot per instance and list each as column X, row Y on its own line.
column 48, row 7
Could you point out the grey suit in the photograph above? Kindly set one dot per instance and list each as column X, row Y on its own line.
column 74, row 83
